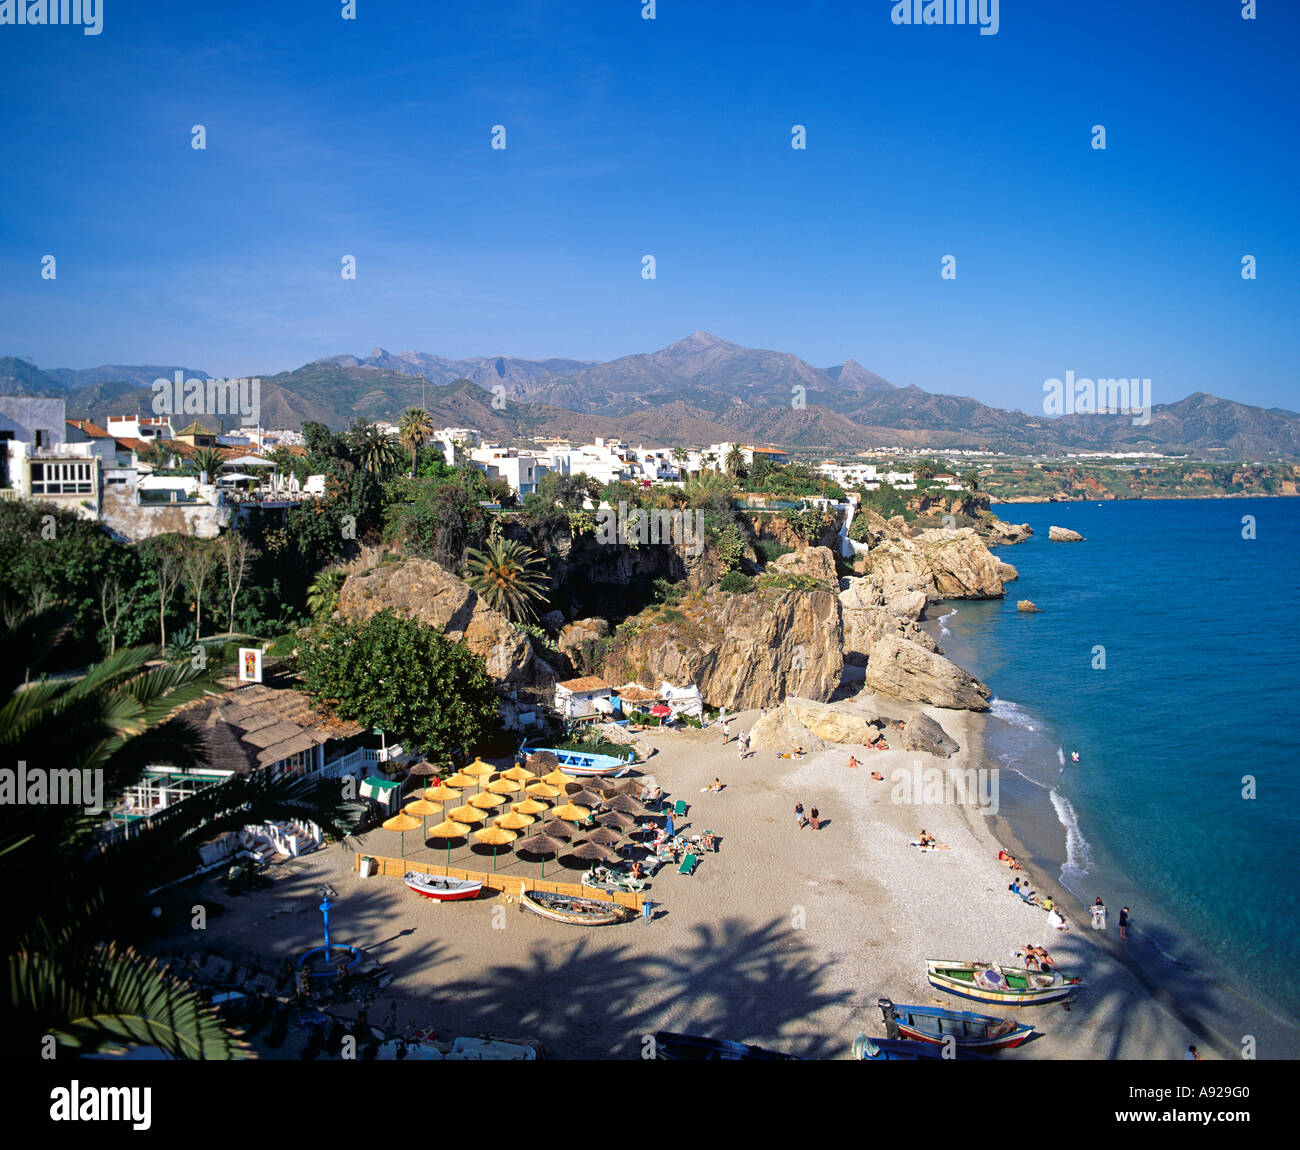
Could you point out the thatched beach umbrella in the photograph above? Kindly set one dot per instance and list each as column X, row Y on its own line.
column 585, row 798
column 605, row 836
column 557, row 829
column 477, row 769
column 504, row 786
column 496, row 837
column 540, row 845
column 626, row 804
column 557, row 778
column 591, row 852
column 441, row 793
column 422, row 808
column 487, row 802
column 514, row 821
column 518, row 773
column 539, row 762
column 616, row 819
column 529, row 807
column 460, row 780
column 543, row 791
column 572, row 814
column 467, row 814
column 401, row 822
column 448, row 829
column 424, row 768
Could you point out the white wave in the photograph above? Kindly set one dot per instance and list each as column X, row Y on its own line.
column 1060, row 756
column 943, row 627
column 1010, row 712
column 1078, row 854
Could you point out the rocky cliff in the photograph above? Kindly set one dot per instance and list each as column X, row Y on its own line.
column 425, row 591
column 901, row 669
column 957, row 564
column 742, row 650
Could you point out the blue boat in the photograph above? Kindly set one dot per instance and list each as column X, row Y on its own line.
column 901, row 1050
column 935, row 1025
column 581, row 763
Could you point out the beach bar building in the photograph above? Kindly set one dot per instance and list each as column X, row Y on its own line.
column 586, row 698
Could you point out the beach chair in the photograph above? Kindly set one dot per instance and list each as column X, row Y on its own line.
column 689, row 863
column 679, row 808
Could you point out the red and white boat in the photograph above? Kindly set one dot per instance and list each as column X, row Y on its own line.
column 441, row 888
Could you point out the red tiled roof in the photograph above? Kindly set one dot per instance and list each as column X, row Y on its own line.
column 89, row 428
column 585, row 683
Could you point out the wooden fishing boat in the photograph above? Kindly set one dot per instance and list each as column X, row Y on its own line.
column 1003, row 985
column 935, row 1025
column 441, row 888
column 904, row 1050
column 673, row 1047
column 575, row 911
column 584, row 764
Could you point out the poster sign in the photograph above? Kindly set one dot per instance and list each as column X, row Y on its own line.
column 250, row 664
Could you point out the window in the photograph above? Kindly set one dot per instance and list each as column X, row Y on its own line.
column 298, row 763
column 62, row 478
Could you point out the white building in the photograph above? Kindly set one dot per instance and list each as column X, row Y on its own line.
column 137, row 427
column 454, row 439
column 521, row 471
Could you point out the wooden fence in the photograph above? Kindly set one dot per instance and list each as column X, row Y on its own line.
column 509, row 884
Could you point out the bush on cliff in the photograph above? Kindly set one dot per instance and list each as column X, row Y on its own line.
column 737, row 582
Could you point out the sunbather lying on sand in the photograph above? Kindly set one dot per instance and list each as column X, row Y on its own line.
column 878, row 776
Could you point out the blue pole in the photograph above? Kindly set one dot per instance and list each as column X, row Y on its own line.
column 325, row 910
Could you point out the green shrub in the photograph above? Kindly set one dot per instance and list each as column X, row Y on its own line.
column 737, row 581
column 769, row 549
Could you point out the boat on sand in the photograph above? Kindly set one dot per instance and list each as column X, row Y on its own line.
column 574, row 911
column 441, row 888
column 935, row 1025
column 1003, row 985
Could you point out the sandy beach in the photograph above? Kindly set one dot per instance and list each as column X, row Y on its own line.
column 785, row 937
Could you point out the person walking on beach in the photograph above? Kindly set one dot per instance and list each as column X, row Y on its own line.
column 816, row 819
column 1123, row 922
column 742, row 745
column 726, row 730
column 1098, row 915
column 799, row 820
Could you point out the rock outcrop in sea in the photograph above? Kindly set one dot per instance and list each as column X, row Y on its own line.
column 814, row 726
column 901, row 669
column 1063, row 535
column 957, row 564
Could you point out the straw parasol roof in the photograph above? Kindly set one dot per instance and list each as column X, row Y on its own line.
column 424, row 767
column 460, row 780
column 495, row 836
column 557, row 778
column 422, row 807
column 529, row 807
column 592, row 851
column 518, row 773
column 514, row 821
column 401, row 822
column 540, row 844
column 448, row 829
column 585, row 798
column 630, row 787
column 441, row 793
column 467, row 815
column 605, row 836
column 616, row 819
column 626, row 804
column 571, row 813
column 543, row 790
column 604, row 786
column 487, row 802
column 540, row 761
column 557, row 829
column 477, row 769
column 504, row 786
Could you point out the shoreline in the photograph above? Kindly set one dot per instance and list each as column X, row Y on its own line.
column 1190, row 985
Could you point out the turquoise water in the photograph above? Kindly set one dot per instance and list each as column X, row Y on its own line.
column 1199, row 689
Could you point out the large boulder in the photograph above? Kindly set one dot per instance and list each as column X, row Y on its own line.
column 780, row 730
column 900, row 669
column 922, row 733
column 882, row 604
column 425, row 591
column 743, row 651
column 816, row 562
column 1063, row 535
column 1008, row 573
column 1000, row 533
column 957, row 563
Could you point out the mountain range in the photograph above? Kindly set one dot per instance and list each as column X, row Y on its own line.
column 699, row 390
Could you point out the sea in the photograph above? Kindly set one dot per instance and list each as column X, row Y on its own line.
column 1164, row 656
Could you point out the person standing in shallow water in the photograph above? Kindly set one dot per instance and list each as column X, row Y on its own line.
column 1098, row 915
column 1123, row 922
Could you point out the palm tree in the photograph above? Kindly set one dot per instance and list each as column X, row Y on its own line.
column 205, row 459
column 736, row 461
column 508, row 576
column 972, row 479
column 414, row 429
column 376, row 450
column 70, row 972
column 680, row 456
column 323, row 594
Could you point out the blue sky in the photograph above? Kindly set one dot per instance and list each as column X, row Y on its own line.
column 670, row 137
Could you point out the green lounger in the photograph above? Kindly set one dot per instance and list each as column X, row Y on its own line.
column 689, row 863
column 679, row 808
